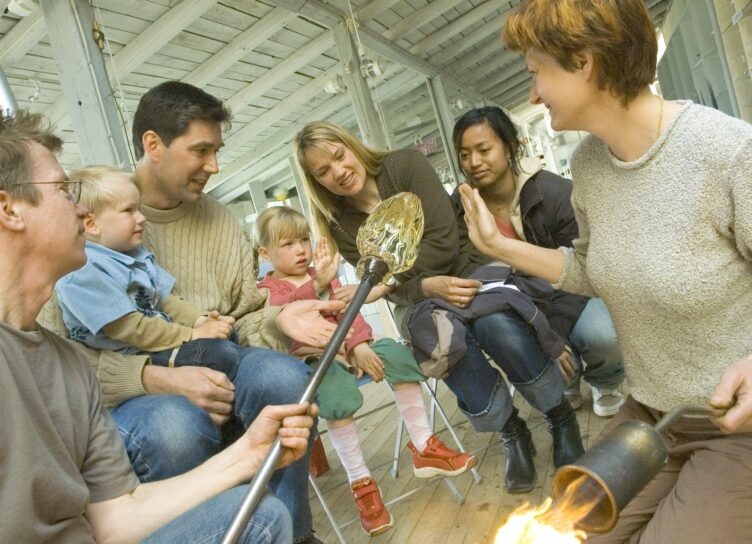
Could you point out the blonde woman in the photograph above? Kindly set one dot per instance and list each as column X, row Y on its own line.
column 345, row 180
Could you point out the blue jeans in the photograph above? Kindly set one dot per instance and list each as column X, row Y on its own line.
column 208, row 522
column 221, row 355
column 593, row 338
column 166, row 435
column 481, row 391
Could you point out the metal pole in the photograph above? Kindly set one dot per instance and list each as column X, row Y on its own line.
column 7, row 100
column 375, row 270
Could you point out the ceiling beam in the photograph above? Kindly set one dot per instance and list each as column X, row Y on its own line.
column 306, row 53
column 240, row 46
column 521, row 81
column 521, row 78
column 489, row 86
column 463, row 44
column 289, row 104
column 20, row 39
column 479, row 56
column 143, row 46
column 419, row 18
column 374, row 8
column 455, row 27
column 156, row 35
column 320, row 44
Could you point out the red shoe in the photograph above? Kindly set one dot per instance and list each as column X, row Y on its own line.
column 374, row 517
column 438, row 460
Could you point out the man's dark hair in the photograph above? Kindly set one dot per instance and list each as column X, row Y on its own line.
column 169, row 108
column 17, row 131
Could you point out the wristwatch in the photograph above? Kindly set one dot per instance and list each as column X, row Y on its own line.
column 392, row 282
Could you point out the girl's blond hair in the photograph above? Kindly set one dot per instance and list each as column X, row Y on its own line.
column 275, row 223
column 323, row 203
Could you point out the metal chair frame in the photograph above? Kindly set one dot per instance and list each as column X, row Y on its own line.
column 430, row 386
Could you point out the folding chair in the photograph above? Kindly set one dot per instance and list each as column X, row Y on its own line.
column 430, row 387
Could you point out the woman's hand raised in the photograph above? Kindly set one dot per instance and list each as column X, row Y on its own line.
column 481, row 226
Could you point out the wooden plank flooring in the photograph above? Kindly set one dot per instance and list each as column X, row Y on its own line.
column 431, row 513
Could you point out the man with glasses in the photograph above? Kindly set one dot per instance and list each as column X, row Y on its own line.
column 66, row 475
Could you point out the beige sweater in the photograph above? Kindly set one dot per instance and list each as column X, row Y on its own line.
column 666, row 241
column 204, row 248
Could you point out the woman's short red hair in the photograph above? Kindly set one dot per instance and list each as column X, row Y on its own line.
column 618, row 33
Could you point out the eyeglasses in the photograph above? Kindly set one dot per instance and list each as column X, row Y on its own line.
column 72, row 189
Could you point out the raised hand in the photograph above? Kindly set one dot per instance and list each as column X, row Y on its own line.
column 481, row 225
column 326, row 264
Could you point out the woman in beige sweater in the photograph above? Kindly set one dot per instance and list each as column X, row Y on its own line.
column 663, row 200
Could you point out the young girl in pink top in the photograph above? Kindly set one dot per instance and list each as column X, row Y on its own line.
column 283, row 237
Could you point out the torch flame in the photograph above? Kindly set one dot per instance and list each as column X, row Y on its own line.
column 528, row 525
column 552, row 525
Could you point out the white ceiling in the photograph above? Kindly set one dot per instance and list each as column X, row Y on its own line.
column 270, row 60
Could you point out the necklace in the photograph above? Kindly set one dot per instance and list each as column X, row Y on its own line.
column 497, row 207
column 660, row 117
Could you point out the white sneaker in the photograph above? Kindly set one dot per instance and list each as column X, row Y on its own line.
column 606, row 402
column 572, row 392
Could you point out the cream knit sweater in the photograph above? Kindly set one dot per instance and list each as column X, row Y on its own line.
column 205, row 249
column 666, row 241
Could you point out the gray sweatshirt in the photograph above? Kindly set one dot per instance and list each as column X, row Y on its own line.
column 666, row 241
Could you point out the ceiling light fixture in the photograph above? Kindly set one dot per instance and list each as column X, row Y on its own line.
column 335, row 85
column 369, row 68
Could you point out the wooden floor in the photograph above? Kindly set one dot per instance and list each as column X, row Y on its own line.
column 431, row 514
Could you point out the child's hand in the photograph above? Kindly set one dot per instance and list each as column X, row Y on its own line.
column 347, row 292
column 325, row 263
column 214, row 314
column 213, row 326
column 363, row 358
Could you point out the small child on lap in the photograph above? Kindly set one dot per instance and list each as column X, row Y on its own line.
column 121, row 299
column 283, row 237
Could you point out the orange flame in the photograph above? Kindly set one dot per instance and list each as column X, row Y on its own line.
column 553, row 525
column 542, row 525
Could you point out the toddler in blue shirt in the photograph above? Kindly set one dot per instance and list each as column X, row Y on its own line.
column 121, row 299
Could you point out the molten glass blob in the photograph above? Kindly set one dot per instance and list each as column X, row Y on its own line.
column 392, row 234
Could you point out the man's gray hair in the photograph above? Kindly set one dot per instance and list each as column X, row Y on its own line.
column 17, row 131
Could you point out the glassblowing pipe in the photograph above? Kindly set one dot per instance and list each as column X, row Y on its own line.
column 618, row 467
column 388, row 242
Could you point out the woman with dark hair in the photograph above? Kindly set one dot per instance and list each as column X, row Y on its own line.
column 534, row 205
column 663, row 199
column 345, row 181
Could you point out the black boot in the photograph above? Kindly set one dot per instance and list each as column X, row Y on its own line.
column 519, row 473
column 563, row 426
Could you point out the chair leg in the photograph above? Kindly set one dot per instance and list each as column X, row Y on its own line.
column 327, row 511
column 435, row 403
column 397, row 448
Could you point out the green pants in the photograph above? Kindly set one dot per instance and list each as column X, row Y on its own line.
column 339, row 396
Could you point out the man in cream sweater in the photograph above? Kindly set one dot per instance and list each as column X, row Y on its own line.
column 170, row 418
